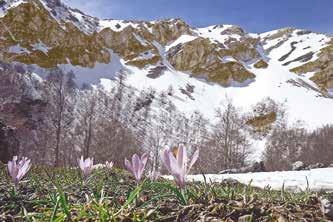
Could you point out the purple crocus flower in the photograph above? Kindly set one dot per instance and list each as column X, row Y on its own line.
column 109, row 165
column 177, row 164
column 18, row 169
column 137, row 166
column 86, row 166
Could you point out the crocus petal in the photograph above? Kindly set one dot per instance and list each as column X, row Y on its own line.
column 195, row 157
column 166, row 159
column 180, row 156
column 10, row 167
column 23, row 171
column 174, row 164
column 137, row 164
column 144, row 159
column 81, row 163
column 86, row 163
column 128, row 165
column 108, row 164
column 143, row 162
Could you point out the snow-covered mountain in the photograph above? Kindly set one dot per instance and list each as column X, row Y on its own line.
column 202, row 65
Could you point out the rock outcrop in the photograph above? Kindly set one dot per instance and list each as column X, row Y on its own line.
column 203, row 58
column 322, row 68
column 31, row 35
column 252, row 168
column 9, row 142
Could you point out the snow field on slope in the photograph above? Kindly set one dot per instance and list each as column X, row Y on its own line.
column 305, row 44
column 302, row 104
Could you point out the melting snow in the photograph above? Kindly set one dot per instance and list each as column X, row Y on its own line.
column 145, row 55
column 315, row 180
column 116, row 25
column 214, row 33
column 41, row 47
column 307, row 43
column 226, row 59
column 181, row 40
column 18, row 49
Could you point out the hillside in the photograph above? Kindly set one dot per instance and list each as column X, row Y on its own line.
column 203, row 66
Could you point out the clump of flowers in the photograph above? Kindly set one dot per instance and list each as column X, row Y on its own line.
column 18, row 169
column 177, row 164
column 108, row 165
column 86, row 166
column 137, row 166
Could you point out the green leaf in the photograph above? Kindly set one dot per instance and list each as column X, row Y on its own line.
column 180, row 196
column 54, row 212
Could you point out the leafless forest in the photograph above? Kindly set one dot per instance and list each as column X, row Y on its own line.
column 54, row 121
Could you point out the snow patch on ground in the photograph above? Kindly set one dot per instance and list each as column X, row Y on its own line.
column 41, row 47
column 18, row 49
column 315, row 180
column 140, row 39
column 115, row 25
column 226, row 59
column 181, row 40
column 214, row 33
column 144, row 56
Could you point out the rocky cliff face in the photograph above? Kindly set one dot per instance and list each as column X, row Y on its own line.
column 203, row 58
column 47, row 33
column 21, row 109
column 31, row 35
column 168, row 31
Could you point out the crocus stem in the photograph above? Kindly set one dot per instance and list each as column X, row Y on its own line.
column 15, row 191
column 16, row 185
column 183, row 192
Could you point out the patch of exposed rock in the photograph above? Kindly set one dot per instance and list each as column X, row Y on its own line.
column 44, row 41
column 202, row 58
column 323, row 68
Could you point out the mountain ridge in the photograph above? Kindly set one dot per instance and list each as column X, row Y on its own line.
column 216, row 60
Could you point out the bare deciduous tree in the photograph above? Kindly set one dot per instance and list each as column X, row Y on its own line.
column 59, row 91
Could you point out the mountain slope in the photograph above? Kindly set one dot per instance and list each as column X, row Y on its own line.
column 203, row 65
